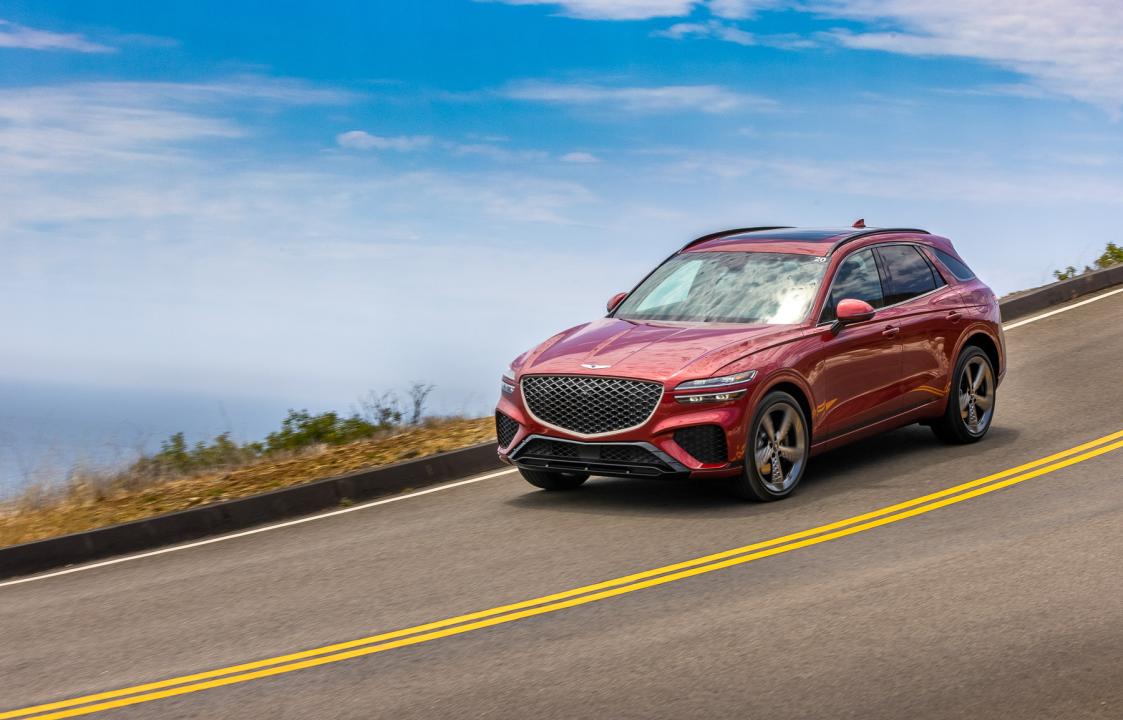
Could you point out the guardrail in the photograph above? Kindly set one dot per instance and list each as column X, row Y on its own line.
column 232, row 515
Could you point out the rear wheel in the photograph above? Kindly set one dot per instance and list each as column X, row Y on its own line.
column 776, row 451
column 971, row 400
column 548, row 480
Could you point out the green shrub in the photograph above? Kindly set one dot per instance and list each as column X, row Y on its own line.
column 1112, row 255
column 299, row 430
column 302, row 429
column 176, row 457
column 1067, row 274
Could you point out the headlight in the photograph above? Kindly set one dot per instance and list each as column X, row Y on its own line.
column 508, row 382
column 717, row 382
column 711, row 390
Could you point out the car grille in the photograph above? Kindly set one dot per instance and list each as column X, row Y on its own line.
column 505, row 429
column 590, row 405
column 705, row 442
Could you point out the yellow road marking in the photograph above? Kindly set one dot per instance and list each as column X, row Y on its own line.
column 569, row 598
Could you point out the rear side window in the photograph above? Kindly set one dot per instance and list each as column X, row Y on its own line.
column 856, row 278
column 958, row 269
column 907, row 273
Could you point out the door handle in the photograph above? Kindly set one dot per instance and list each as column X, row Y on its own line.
column 891, row 331
column 955, row 315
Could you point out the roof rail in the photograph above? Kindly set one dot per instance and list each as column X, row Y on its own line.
column 727, row 233
column 873, row 231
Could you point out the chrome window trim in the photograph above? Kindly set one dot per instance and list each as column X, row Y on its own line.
column 919, row 247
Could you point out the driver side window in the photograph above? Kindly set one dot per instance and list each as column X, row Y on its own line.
column 856, row 278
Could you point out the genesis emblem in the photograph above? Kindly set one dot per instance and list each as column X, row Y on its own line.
column 594, row 366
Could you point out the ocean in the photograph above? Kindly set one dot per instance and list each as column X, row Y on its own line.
column 47, row 429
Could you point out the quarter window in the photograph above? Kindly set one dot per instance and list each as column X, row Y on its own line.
column 958, row 269
column 908, row 274
column 856, row 278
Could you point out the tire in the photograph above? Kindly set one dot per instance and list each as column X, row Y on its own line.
column 778, row 435
column 972, row 398
column 554, row 480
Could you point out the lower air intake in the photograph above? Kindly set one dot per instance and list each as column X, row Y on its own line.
column 706, row 443
column 505, row 429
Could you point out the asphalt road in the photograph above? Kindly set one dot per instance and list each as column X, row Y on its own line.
column 1008, row 604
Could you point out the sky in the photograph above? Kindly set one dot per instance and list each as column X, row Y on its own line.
column 264, row 205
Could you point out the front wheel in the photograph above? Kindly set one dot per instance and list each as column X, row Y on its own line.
column 971, row 400
column 776, row 451
column 554, row 480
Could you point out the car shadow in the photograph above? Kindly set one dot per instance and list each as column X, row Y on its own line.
column 875, row 462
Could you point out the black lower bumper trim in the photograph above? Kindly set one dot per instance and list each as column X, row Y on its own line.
column 639, row 459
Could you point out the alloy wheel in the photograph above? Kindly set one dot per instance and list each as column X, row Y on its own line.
column 780, row 448
column 976, row 395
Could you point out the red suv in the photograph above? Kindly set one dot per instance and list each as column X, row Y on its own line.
column 748, row 351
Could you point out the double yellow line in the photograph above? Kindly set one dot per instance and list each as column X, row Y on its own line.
column 570, row 598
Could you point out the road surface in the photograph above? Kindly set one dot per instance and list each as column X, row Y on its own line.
column 1002, row 599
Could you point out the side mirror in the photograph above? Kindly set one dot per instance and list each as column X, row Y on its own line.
column 851, row 311
column 616, row 300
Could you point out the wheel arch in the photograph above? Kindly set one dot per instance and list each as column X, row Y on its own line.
column 793, row 388
column 982, row 340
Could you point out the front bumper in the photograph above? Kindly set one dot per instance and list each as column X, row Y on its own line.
column 665, row 457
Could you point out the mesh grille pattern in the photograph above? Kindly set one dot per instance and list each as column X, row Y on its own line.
column 594, row 452
column 590, row 405
column 704, row 442
column 626, row 453
column 505, row 429
column 548, row 448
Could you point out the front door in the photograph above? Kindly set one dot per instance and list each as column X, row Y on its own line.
column 857, row 376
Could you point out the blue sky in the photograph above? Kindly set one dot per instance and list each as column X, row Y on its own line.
column 289, row 204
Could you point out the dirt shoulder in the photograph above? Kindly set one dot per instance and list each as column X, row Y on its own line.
column 77, row 510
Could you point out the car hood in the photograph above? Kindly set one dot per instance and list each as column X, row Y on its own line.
column 651, row 350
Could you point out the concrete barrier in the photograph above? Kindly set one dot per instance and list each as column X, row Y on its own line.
column 1032, row 301
column 241, row 513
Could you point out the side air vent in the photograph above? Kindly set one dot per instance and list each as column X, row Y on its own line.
column 705, row 442
column 505, row 429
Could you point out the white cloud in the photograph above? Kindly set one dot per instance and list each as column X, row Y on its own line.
column 360, row 140
column 1070, row 47
column 710, row 29
column 114, row 199
column 647, row 9
column 653, row 99
column 495, row 152
column 580, row 157
column 68, row 128
column 13, row 35
column 615, row 9
column 739, row 9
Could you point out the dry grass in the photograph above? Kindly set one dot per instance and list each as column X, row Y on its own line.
column 94, row 500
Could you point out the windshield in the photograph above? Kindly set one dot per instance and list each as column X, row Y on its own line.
column 727, row 287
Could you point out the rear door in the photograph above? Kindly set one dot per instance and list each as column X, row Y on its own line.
column 857, row 378
column 919, row 301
